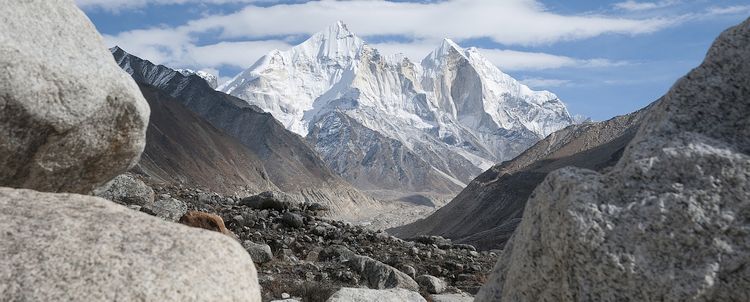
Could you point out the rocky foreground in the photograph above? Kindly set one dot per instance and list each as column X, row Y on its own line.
column 303, row 255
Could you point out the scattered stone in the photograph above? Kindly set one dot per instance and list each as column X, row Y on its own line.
column 409, row 270
column 460, row 297
column 271, row 200
column 347, row 294
column 317, row 207
column 71, row 119
column 432, row 284
column 206, row 221
column 62, row 247
column 170, row 209
column 126, row 189
column 465, row 277
column 260, row 253
column 292, row 220
column 467, row 247
column 314, row 254
column 380, row 275
column 336, row 253
column 297, row 270
column 438, row 241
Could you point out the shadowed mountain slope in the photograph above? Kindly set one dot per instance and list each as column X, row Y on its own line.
column 183, row 148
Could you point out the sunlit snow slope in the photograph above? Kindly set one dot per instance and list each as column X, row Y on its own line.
column 389, row 124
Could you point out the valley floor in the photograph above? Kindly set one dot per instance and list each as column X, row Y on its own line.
column 306, row 259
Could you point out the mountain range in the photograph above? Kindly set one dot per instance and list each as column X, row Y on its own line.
column 393, row 127
column 202, row 137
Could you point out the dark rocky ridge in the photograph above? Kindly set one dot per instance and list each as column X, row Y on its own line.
column 288, row 161
column 489, row 209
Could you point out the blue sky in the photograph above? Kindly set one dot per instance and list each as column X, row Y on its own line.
column 602, row 58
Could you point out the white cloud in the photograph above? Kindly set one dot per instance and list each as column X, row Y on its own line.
column 632, row 5
column 511, row 60
column 510, row 22
column 236, row 54
column 544, row 83
column 118, row 5
column 728, row 10
column 176, row 49
column 506, row 60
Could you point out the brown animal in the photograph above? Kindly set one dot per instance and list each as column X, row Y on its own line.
column 206, row 221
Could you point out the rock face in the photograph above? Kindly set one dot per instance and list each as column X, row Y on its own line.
column 126, row 189
column 489, row 209
column 71, row 120
column 348, row 294
column 668, row 223
column 62, row 247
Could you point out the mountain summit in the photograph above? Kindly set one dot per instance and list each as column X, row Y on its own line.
column 388, row 124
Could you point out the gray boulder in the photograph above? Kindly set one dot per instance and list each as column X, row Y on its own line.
column 668, row 223
column 292, row 220
column 271, row 200
column 436, row 240
column 71, row 119
column 126, row 189
column 460, row 297
column 432, row 284
column 336, row 253
column 348, row 294
column 261, row 253
column 170, row 209
column 68, row 247
column 409, row 270
column 377, row 274
column 380, row 275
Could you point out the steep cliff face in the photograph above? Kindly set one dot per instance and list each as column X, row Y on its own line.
column 487, row 212
column 455, row 109
column 290, row 163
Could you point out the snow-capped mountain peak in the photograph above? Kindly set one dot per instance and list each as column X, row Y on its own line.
column 452, row 115
column 446, row 48
column 210, row 78
column 335, row 42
